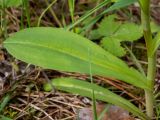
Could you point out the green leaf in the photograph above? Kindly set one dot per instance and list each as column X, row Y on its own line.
column 119, row 4
column 4, row 102
column 154, row 27
column 10, row 3
column 155, row 43
column 129, row 32
column 55, row 48
column 113, row 45
column 85, row 89
column 94, row 35
column 123, row 31
column 116, row 32
column 89, row 13
column 108, row 26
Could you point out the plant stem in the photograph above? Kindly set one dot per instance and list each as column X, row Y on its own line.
column 145, row 16
column 26, row 11
column 71, row 4
column 149, row 93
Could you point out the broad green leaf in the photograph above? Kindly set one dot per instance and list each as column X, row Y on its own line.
column 113, row 45
column 55, row 48
column 10, row 3
column 85, row 89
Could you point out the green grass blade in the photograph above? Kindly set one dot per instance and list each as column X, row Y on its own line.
column 26, row 11
column 55, row 48
column 99, row 6
column 71, row 4
column 117, row 5
column 91, row 78
column 85, row 89
column 4, row 102
column 103, row 112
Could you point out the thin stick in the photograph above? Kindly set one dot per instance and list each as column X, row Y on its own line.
column 37, row 108
column 39, row 20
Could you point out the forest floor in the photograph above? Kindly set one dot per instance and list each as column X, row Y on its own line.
column 24, row 82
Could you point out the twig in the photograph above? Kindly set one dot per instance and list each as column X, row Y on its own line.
column 37, row 108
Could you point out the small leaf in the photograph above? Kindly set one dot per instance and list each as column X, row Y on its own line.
column 117, row 32
column 85, row 89
column 108, row 26
column 54, row 48
column 123, row 31
column 154, row 27
column 129, row 32
column 94, row 35
column 113, row 45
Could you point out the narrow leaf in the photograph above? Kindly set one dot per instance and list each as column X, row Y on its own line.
column 54, row 48
column 155, row 43
column 89, row 13
column 119, row 4
column 85, row 89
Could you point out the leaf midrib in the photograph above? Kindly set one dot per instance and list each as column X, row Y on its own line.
column 101, row 65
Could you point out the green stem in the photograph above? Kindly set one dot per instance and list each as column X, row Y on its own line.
column 145, row 16
column 149, row 93
column 71, row 4
column 26, row 11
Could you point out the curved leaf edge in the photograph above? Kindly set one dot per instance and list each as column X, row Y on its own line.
column 144, row 84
